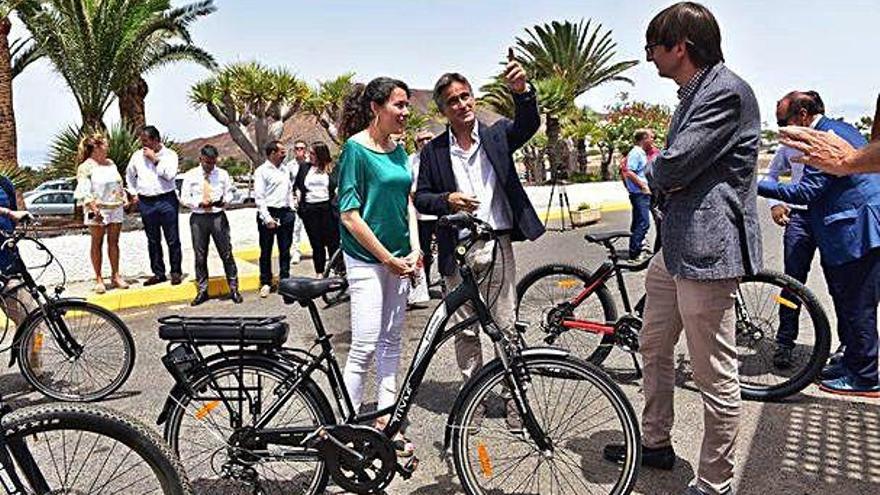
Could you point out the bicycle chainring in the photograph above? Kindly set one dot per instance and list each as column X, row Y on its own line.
column 626, row 332
column 370, row 475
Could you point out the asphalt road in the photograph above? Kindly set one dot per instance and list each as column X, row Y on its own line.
column 810, row 444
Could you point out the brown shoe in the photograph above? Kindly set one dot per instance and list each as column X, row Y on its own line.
column 155, row 279
column 176, row 278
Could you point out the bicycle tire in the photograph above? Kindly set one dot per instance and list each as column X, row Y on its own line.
column 34, row 425
column 37, row 347
column 198, row 466
column 491, row 459
column 577, row 278
column 335, row 268
column 815, row 357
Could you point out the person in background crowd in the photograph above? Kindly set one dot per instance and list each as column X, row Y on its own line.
column 273, row 194
column 100, row 191
column 704, row 185
column 419, row 296
column 316, row 191
column 844, row 214
column 17, row 304
column 799, row 243
column 379, row 235
column 834, row 155
column 206, row 191
column 639, row 193
column 470, row 168
column 150, row 178
column 301, row 158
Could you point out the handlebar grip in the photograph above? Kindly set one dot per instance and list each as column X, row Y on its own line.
column 456, row 219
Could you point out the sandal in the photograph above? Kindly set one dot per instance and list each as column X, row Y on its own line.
column 100, row 288
column 403, row 447
column 120, row 283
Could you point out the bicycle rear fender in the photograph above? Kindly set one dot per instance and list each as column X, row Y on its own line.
column 491, row 367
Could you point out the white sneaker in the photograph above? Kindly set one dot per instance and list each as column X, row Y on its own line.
column 264, row 291
column 295, row 257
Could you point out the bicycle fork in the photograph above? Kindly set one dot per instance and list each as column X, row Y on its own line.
column 518, row 381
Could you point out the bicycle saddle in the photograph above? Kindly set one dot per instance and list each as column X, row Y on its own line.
column 304, row 288
column 599, row 237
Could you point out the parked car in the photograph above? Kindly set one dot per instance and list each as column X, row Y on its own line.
column 65, row 184
column 50, row 202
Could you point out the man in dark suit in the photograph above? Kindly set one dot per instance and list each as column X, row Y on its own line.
column 470, row 168
column 704, row 183
column 844, row 215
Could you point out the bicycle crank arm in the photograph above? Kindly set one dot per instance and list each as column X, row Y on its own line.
column 324, row 441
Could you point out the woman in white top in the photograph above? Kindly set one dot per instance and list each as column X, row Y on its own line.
column 99, row 189
column 316, row 189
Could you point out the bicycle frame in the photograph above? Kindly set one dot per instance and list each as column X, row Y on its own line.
column 435, row 335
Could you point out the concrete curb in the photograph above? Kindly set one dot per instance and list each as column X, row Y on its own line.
column 248, row 279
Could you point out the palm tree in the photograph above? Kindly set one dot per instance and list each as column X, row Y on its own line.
column 578, row 125
column 249, row 96
column 326, row 102
column 576, row 59
column 103, row 48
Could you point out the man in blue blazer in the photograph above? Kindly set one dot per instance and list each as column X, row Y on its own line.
column 470, row 168
column 844, row 214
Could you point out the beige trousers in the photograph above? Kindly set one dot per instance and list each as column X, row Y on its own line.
column 705, row 309
column 500, row 289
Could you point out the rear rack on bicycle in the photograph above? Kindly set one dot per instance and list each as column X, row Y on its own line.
column 242, row 330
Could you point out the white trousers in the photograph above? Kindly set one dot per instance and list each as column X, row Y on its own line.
column 378, row 306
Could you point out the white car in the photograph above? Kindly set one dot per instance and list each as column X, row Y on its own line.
column 50, row 202
column 66, row 184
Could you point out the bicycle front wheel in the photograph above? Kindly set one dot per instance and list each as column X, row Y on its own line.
column 774, row 310
column 98, row 368
column 77, row 448
column 577, row 406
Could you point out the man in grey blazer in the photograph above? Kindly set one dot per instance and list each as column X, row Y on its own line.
column 703, row 183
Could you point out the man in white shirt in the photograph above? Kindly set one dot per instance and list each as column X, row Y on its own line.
column 273, row 194
column 300, row 158
column 206, row 191
column 150, row 178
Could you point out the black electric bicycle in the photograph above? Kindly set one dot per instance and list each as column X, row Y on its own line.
column 571, row 307
column 66, row 348
column 83, row 449
column 250, row 418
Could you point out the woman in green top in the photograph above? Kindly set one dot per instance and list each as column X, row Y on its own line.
column 379, row 235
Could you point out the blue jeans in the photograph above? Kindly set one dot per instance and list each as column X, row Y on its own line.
column 799, row 249
column 855, row 290
column 641, row 222
column 159, row 214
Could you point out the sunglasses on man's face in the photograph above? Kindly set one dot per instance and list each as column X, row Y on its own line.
column 299, row 148
column 423, row 140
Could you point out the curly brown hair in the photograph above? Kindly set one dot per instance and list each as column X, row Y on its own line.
column 356, row 111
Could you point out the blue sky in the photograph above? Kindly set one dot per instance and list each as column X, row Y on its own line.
column 775, row 45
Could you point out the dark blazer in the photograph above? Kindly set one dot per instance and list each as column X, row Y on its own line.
column 436, row 179
column 706, row 177
column 844, row 212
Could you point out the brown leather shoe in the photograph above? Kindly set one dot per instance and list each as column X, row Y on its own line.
column 155, row 279
column 176, row 278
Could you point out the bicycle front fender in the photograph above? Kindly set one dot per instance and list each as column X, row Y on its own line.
column 489, row 368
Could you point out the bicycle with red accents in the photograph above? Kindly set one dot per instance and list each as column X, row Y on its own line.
column 572, row 307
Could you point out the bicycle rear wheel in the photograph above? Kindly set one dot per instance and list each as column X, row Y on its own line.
column 542, row 302
column 764, row 301
column 579, row 408
column 90, row 449
column 103, row 365
column 202, row 430
column 336, row 268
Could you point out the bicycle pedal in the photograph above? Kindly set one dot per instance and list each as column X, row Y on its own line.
column 407, row 469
